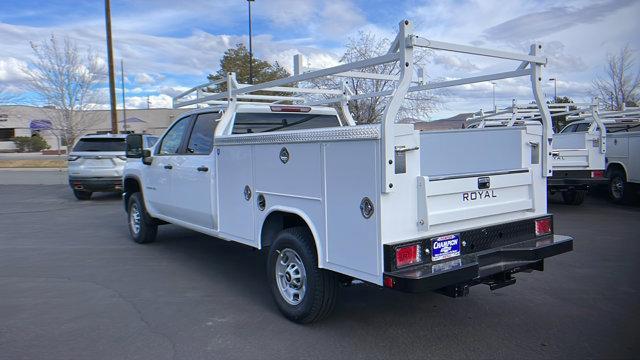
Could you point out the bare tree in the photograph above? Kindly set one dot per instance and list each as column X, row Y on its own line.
column 621, row 85
column 418, row 105
column 66, row 80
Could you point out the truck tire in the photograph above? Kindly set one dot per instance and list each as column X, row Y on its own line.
column 619, row 190
column 303, row 292
column 82, row 195
column 573, row 197
column 142, row 227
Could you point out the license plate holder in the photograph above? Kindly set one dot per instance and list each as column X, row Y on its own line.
column 445, row 247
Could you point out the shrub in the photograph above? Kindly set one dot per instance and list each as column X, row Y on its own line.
column 22, row 143
column 30, row 143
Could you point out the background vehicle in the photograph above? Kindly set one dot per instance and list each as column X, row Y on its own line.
column 96, row 163
column 333, row 201
column 623, row 151
column 578, row 158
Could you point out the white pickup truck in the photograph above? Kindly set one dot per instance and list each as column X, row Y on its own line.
column 578, row 157
column 331, row 201
column 623, row 150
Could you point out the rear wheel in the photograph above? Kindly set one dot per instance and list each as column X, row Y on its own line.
column 142, row 227
column 303, row 292
column 618, row 189
column 573, row 197
column 82, row 195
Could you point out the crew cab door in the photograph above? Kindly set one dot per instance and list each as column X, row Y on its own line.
column 158, row 177
column 194, row 174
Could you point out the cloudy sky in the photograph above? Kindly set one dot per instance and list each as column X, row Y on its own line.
column 168, row 46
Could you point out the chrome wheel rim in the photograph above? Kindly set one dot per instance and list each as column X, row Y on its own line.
column 291, row 276
column 617, row 187
column 134, row 219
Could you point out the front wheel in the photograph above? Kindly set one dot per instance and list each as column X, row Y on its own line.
column 303, row 292
column 141, row 227
column 573, row 197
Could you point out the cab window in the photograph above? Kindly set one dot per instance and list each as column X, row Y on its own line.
column 173, row 138
column 246, row 123
column 569, row 128
column 201, row 138
column 582, row 127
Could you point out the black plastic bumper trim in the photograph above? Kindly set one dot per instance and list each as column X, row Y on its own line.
column 471, row 269
column 97, row 184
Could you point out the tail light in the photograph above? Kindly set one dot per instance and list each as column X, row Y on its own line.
column 544, row 226
column 597, row 173
column 408, row 255
column 73, row 157
column 388, row 282
column 279, row 108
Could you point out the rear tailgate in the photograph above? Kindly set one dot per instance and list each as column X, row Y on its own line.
column 453, row 198
column 577, row 151
column 476, row 173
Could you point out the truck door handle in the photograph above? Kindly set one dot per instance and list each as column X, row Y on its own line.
column 203, row 169
column 168, row 167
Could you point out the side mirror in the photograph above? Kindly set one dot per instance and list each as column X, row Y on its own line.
column 147, row 159
column 134, row 146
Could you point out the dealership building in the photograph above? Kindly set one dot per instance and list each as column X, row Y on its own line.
column 18, row 120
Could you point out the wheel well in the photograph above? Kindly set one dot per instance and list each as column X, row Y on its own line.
column 615, row 166
column 276, row 222
column 131, row 186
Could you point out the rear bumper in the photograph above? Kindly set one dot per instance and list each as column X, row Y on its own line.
column 574, row 180
column 491, row 267
column 96, row 183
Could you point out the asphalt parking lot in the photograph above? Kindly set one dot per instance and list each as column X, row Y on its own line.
column 73, row 286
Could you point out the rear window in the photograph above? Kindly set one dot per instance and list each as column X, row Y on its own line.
column 247, row 123
column 100, row 144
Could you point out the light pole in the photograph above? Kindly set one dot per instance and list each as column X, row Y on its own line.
column 250, row 45
column 112, row 81
column 555, row 89
column 493, row 84
column 124, row 105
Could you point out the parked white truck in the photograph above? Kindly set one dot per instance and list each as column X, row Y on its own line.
column 623, row 150
column 331, row 201
column 578, row 157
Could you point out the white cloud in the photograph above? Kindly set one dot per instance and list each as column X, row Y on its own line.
column 144, row 79
column 453, row 62
column 155, row 101
column 11, row 70
column 173, row 90
column 283, row 13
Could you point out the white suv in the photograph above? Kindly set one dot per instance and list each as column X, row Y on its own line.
column 96, row 163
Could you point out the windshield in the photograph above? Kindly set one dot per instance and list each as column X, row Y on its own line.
column 100, row 144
